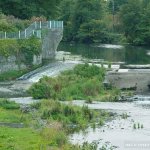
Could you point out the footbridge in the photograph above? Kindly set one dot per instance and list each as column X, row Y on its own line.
column 50, row 32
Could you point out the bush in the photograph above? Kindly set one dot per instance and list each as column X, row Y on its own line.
column 56, row 137
column 25, row 47
column 80, row 83
column 8, row 104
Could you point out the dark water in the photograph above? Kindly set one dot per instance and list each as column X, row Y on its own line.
column 127, row 54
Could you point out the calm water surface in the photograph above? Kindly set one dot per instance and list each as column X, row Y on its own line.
column 111, row 53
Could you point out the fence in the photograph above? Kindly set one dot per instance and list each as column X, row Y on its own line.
column 34, row 29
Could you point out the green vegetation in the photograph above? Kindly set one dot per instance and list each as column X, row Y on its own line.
column 83, row 82
column 28, row 47
column 8, row 105
column 102, row 21
column 11, row 75
column 14, row 74
column 45, row 125
column 23, row 50
column 124, row 116
column 11, row 24
column 136, row 23
column 138, row 126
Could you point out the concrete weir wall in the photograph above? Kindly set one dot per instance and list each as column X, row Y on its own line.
column 50, row 42
column 138, row 79
column 16, row 63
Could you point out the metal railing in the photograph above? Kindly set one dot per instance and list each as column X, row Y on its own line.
column 31, row 30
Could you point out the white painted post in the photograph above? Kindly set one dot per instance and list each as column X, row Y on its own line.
column 32, row 32
column 54, row 24
column 62, row 24
column 59, row 24
column 40, row 24
column 50, row 24
column 19, row 34
column 25, row 33
column 5, row 35
column 35, row 25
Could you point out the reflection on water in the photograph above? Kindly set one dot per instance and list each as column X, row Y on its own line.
column 112, row 53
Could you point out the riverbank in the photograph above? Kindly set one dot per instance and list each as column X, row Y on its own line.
column 46, row 123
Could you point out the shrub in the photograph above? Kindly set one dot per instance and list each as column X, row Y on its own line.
column 80, row 83
column 56, row 137
column 4, row 103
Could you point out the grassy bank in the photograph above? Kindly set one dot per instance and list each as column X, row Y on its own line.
column 83, row 82
column 44, row 125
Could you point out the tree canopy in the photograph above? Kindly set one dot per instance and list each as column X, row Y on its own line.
column 85, row 20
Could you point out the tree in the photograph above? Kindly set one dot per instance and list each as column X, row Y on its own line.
column 85, row 11
column 25, row 9
column 135, row 20
column 131, row 18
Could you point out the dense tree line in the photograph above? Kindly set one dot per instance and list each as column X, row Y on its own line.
column 135, row 17
column 104, row 21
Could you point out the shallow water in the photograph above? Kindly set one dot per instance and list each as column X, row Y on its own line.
column 119, row 132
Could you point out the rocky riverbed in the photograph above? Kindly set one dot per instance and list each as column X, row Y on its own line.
column 130, row 130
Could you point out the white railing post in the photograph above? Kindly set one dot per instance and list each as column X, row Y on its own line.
column 32, row 32
column 59, row 24
column 62, row 24
column 50, row 24
column 40, row 24
column 54, row 24
column 19, row 34
column 25, row 33
column 5, row 35
column 35, row 24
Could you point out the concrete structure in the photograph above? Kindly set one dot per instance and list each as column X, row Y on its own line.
column 50, row 33
column 135, row 79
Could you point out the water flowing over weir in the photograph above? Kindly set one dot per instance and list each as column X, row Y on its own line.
column 18, row 88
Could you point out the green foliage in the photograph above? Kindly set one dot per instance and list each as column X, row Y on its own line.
column 84, row 21
column 12, row 24
column 136, row 23
column 8, row 104
column 82, row 82
column 71, row 117
column 30, row 47
column 8, row 47
column 11, row 75
column 60, row 120
column 27, row 47
column 27, row 9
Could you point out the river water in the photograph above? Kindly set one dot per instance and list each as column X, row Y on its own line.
column 112, row 53
column 119, row 132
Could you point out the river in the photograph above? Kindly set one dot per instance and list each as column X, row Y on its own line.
column 112, row 53
column 120, row 132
